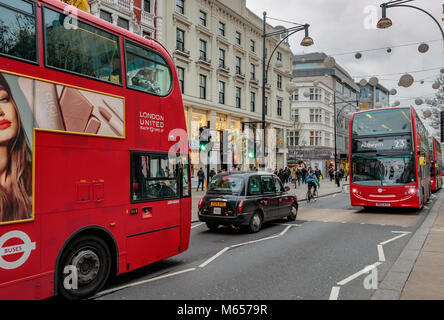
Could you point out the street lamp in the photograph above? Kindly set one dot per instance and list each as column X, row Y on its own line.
column 306, row 41
column 385, row 22
column 336, row 117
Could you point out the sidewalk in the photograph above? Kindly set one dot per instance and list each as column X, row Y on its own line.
column 426, row 280
column 417, row 273
column 326, row 188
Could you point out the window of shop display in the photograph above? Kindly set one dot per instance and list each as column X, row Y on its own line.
column 198, row 120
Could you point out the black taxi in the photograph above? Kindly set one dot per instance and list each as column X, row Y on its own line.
column 246, row 199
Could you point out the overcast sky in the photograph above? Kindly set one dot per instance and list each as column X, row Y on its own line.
column 338, row 26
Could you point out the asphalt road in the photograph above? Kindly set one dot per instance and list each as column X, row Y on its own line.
column 321, row 255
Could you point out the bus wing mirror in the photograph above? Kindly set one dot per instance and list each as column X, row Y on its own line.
column 422, row 161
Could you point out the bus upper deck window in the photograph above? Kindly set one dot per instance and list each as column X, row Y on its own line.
column 81, row 48
column 147, row 71
column 18, row 29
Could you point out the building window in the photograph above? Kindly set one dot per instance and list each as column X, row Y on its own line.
column 339, row 87
column 279, row 81
column 315, row 115
column 203, row 50
column 327, row 96
column 202, row 86
column 315, row 138
column 295, row 114
column 328, row 139
column 147, row 5
column 252, row 71
column 222, row 29
column 221, row 58
column 327, row 118
column 146, row 34
column 238, row 37
column 180, row 40
column 252, row 101
column 238, row 97
column 279, row 108
column 279, row 56
column 238, row 65
column 252, row 46
column 123, row 23
column 203, row 18
column 106, row 16
column 180, row 6
column 315, row 94
column 221, row 92
column 181, row 76
column 295, row 96
column 292, row 138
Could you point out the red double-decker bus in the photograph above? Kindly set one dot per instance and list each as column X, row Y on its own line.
column 94, row 165
column 389, row 159
column 436, row 164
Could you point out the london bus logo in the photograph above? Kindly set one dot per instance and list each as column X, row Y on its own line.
column 24, row 248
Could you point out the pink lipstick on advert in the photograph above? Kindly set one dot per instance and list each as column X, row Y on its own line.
column 113, row 123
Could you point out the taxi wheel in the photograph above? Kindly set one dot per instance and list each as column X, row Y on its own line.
column 293, row 212
column 84, row 268
column 255, row 222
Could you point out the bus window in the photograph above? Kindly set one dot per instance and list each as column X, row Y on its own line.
column 82, row 49
column 147, row 71
column 153, row 178
column 18, row 29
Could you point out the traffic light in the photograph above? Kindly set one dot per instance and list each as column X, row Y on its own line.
column 251, row 153
column 204, row 139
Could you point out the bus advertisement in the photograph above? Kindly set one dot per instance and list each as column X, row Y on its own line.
column 389, row 159
column 94, row 162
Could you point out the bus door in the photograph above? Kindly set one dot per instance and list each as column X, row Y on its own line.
column 153, row 230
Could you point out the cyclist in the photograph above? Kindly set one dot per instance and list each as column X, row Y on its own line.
column 312, row 182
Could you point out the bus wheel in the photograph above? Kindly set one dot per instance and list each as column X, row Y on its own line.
column 84, row 267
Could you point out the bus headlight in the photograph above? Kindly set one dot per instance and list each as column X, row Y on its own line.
column 412, row 191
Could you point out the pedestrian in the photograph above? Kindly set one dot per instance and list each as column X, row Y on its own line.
column 293, row 176
column 331, row 173
column 201, row 177
column 304, row 173
column 337, row 178
column 299, row 175
column 318, row 173
column 212, row 173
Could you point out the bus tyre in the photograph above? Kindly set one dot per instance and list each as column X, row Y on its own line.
column 212, row 225
column 84, row 268
column 293, row 212
column 255, row 222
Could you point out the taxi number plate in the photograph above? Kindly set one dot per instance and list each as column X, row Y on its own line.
column 383, row 204
column 218, row 204
column 217, row 210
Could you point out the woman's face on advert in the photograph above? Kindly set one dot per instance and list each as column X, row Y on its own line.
column 8, row 117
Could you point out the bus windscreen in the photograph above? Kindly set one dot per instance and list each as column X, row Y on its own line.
column 390, row 121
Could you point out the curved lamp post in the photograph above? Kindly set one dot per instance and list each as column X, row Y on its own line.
column 385, row 22
column 306, row 41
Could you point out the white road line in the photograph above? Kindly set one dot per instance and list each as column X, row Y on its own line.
column 197, row 225
column 381, row 253
column 283, row 232
column 406, row 232
column 335, row 195
column 142, row 282
column 357, row 274
column 254, row 241
column 334, row 293
column 214, row 257
column 392, row 239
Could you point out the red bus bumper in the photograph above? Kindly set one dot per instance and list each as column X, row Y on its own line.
column 397, row 197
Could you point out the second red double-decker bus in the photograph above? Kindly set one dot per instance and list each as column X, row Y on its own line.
column 94, row 170
column 436, row 164
column 389, row 159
